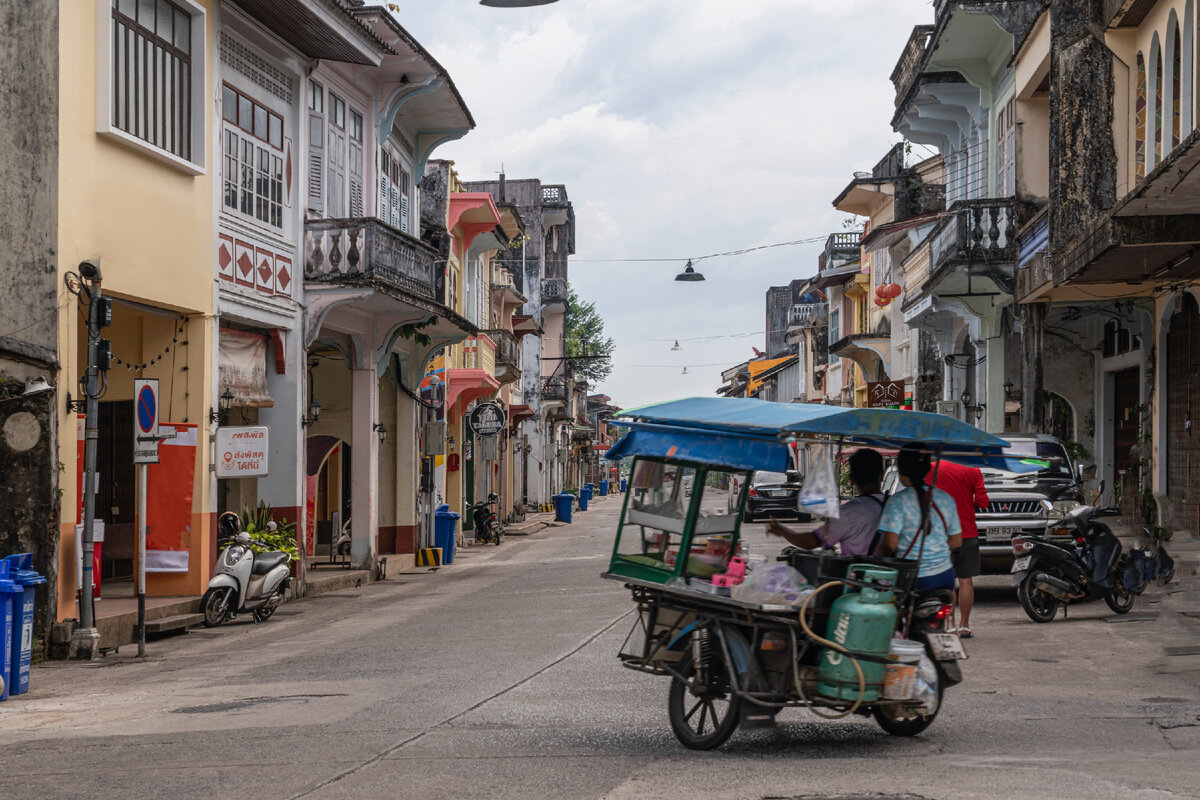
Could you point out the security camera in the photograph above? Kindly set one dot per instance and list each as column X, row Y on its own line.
column 90, row 270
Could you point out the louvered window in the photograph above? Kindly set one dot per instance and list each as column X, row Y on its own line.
column 356, row 164
column 393, row 191
column 316, row 146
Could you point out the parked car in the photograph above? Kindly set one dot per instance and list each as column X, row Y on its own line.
column 774, row 494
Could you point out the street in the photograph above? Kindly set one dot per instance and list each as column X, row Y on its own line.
column 497, row 677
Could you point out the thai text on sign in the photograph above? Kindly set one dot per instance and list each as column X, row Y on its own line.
column 242, row 452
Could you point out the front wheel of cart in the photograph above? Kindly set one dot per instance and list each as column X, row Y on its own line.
column 703, row 715
column 908, row 721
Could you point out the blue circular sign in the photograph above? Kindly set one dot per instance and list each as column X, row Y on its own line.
column 146, row 406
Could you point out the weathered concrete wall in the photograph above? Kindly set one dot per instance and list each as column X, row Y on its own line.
column 29, row 287
column 1083, row 156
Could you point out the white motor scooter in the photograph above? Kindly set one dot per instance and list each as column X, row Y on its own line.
column 244, row 580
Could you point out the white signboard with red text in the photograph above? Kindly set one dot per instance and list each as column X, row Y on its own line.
column 242, row 452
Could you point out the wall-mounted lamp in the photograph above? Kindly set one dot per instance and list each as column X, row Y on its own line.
column 218, row 417
column 1011, row 392
column 380, row 431
column 968, row 408
column 314, row 414
column 75, row 406
column 450, row 442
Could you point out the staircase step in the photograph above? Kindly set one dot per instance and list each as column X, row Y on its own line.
column 176, row 623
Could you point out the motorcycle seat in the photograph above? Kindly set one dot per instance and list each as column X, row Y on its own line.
column 265, row 562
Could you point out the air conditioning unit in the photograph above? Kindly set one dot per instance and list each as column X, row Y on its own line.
column 950, row 408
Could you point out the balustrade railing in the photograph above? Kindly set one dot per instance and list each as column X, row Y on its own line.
column 508, row 354
column 362, row 249
column 841, row 248
column 554, row 390
column 554, row 195
column 554, row 290
column 910, row 60
column 807, row 314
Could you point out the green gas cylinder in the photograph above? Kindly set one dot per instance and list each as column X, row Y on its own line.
column 862, row 621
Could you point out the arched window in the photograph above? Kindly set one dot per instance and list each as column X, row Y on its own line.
column 1156, row 64
column 1176, row 91
column 1187, row 106
column 1139, row 120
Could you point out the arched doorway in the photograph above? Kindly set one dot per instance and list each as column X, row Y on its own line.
column 1181, row 445
column 327, row 491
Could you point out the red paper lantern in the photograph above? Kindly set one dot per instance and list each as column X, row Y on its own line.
column 891, row 290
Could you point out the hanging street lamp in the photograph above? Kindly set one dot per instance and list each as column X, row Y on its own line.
column 689, row 273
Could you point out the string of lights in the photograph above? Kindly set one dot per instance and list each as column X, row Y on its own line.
column 135, row 366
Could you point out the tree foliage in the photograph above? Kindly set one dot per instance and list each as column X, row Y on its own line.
column 585, row 336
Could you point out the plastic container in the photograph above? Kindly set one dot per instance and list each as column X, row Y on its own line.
column 584, row 498
column 563, row 505
column 445, row 531
column 604, row 488
column 622, row 486
column 8, row 592
column 899, row 675
column 24, row 578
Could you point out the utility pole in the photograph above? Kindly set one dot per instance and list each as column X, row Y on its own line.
column 85, row 641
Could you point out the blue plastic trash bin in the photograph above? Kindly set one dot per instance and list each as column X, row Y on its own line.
column 588, row 490
column 622, row 486
column 604, row 488
column 8, row 593
column 563, row 505
column 445, row 531
column 24, row 578
column 585, row 497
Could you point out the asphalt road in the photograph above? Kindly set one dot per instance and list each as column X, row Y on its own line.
column 496, row 677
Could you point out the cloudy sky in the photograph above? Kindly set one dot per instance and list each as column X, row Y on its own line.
column 680, row 128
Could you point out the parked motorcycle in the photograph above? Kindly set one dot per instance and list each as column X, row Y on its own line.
column 487, row 525
column 245, row 581
column 1091, row 567
column 1151, row 562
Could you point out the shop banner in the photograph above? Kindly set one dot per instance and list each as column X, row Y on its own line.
column 243, row 368
column 169, row 500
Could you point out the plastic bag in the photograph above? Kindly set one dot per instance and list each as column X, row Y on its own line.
column 776, row 583
column 819, row 495
column 925, row 686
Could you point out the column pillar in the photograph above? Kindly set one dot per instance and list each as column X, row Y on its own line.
column 994, row 384
column 364, row 467
column 1034, row 319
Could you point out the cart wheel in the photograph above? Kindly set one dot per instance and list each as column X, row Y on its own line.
column 703, row 717
column 906, row 721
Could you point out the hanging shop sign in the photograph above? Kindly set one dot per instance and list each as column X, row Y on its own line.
column 885, row 394
column 489, row 448
column 242, row 452
column 488, row 419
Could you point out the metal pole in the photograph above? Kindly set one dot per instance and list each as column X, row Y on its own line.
column 141, row 561
column 91, row 435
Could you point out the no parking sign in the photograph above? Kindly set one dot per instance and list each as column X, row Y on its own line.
column 145, row 421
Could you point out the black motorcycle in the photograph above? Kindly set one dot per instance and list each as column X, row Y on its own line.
column 487, row 525
column 1091, row 567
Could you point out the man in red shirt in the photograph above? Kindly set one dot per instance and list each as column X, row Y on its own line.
column 965, row 485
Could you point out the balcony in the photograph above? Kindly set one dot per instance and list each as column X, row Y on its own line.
column 507, row 355
column 807, row 315
column 554, row 294
column 911, row 59
column 554, row 196
column 363, row 250
column 554, row 390
column 581, row 435
column 979, row 232
column 841, row 248
column 479, row 352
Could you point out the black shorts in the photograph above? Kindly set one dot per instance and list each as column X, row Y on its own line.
column 966, row 559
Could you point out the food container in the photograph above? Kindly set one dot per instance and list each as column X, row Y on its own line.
column 900, row 674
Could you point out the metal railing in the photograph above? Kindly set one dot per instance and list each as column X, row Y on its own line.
column 366, row 249
column 554, row 390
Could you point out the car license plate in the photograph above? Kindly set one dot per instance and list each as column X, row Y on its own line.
column 1004, row 534
column 1021, row 564
column 946, row 647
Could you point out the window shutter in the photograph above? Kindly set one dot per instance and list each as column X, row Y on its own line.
column 385, row 206
column 335, row 160
column 316, row 161
column 356, row 179
column 395, row 221
column 404, row 213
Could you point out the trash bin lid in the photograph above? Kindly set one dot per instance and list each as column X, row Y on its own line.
column 21, row 571
column 442, row 507
column 5, row 584
column 447, row 514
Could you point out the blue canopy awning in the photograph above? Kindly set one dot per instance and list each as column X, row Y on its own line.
column 713, row 429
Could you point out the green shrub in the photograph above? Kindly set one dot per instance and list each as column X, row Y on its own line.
column 282, row 539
